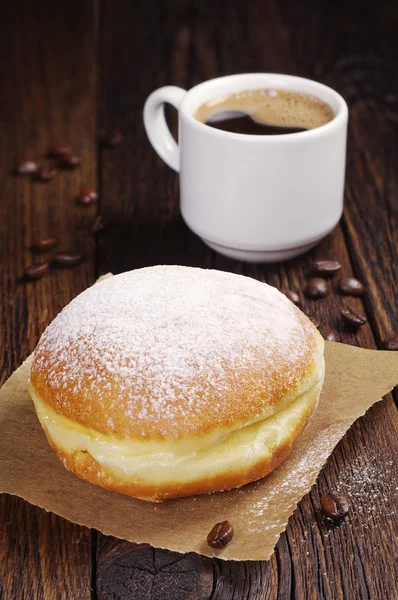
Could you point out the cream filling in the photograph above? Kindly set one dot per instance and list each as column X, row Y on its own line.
column 237, row 451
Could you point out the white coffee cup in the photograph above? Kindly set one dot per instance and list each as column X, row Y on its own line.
column 255, row 198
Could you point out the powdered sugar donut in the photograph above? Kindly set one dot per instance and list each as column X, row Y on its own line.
column 171, row 381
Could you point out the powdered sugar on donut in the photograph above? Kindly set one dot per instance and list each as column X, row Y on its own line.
column 165, row 345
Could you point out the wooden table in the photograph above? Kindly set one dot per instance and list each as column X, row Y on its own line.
column 71, row 69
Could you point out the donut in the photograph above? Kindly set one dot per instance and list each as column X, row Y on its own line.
column 172, row 381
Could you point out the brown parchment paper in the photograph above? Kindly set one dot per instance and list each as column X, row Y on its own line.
column 355, row 379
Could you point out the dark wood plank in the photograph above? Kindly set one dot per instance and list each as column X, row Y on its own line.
column 373, row 157
column 128, row 569
column 138, row 191
column 182, row 46
column 42, row 556
column 48, row 96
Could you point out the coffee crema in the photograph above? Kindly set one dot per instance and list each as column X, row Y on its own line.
column 265, row 112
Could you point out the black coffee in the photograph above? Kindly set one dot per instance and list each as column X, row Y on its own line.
column 247, row 125
column 265, row 112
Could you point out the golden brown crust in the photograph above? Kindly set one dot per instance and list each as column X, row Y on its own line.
column 244, row 398
column 85, row 466
column 235, row 396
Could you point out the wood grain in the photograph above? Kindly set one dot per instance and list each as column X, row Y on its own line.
column 138, row 191
column 47, row 72
column 42, row 556
column 312, row 559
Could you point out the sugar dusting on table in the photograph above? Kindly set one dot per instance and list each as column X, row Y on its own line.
column 169, row 337
column 369, row 484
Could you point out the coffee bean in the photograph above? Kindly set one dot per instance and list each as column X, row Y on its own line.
column 87, row 196
column 334, row 505
column 37, row 271
column 293, row 297
column 327, row 268
column 316, row 288
column 70, row 161
column 67, row 259
column 45, row 243
column 113, row 137
column 349, row 286
column 221, row 534
column 352, row 317
column 58, row 151
column 390, row 342
column 314, row 321
column 46, row 173
column 27, row 168
column 328, row 334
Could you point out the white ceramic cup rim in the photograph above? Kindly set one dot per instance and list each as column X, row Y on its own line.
column 229, row 84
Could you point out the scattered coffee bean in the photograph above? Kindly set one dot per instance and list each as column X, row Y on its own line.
column 328, row 334
column 58, row 151
column 113, row 137
column 334, row 505
column 67, row 259
column 293, row 297
column 352, row 317
column 221, row 534
column 46, row 173
column 37, row 271
column 349, row 286
column 315, row 321
column 27, row 168
column 327, row 268
column 70, row 161
column 390, row 342
column 99, row 224
column 316, row 288
column 87, row 196
column 45, row 243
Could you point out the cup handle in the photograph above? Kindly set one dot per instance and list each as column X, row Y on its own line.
column 156, row 127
